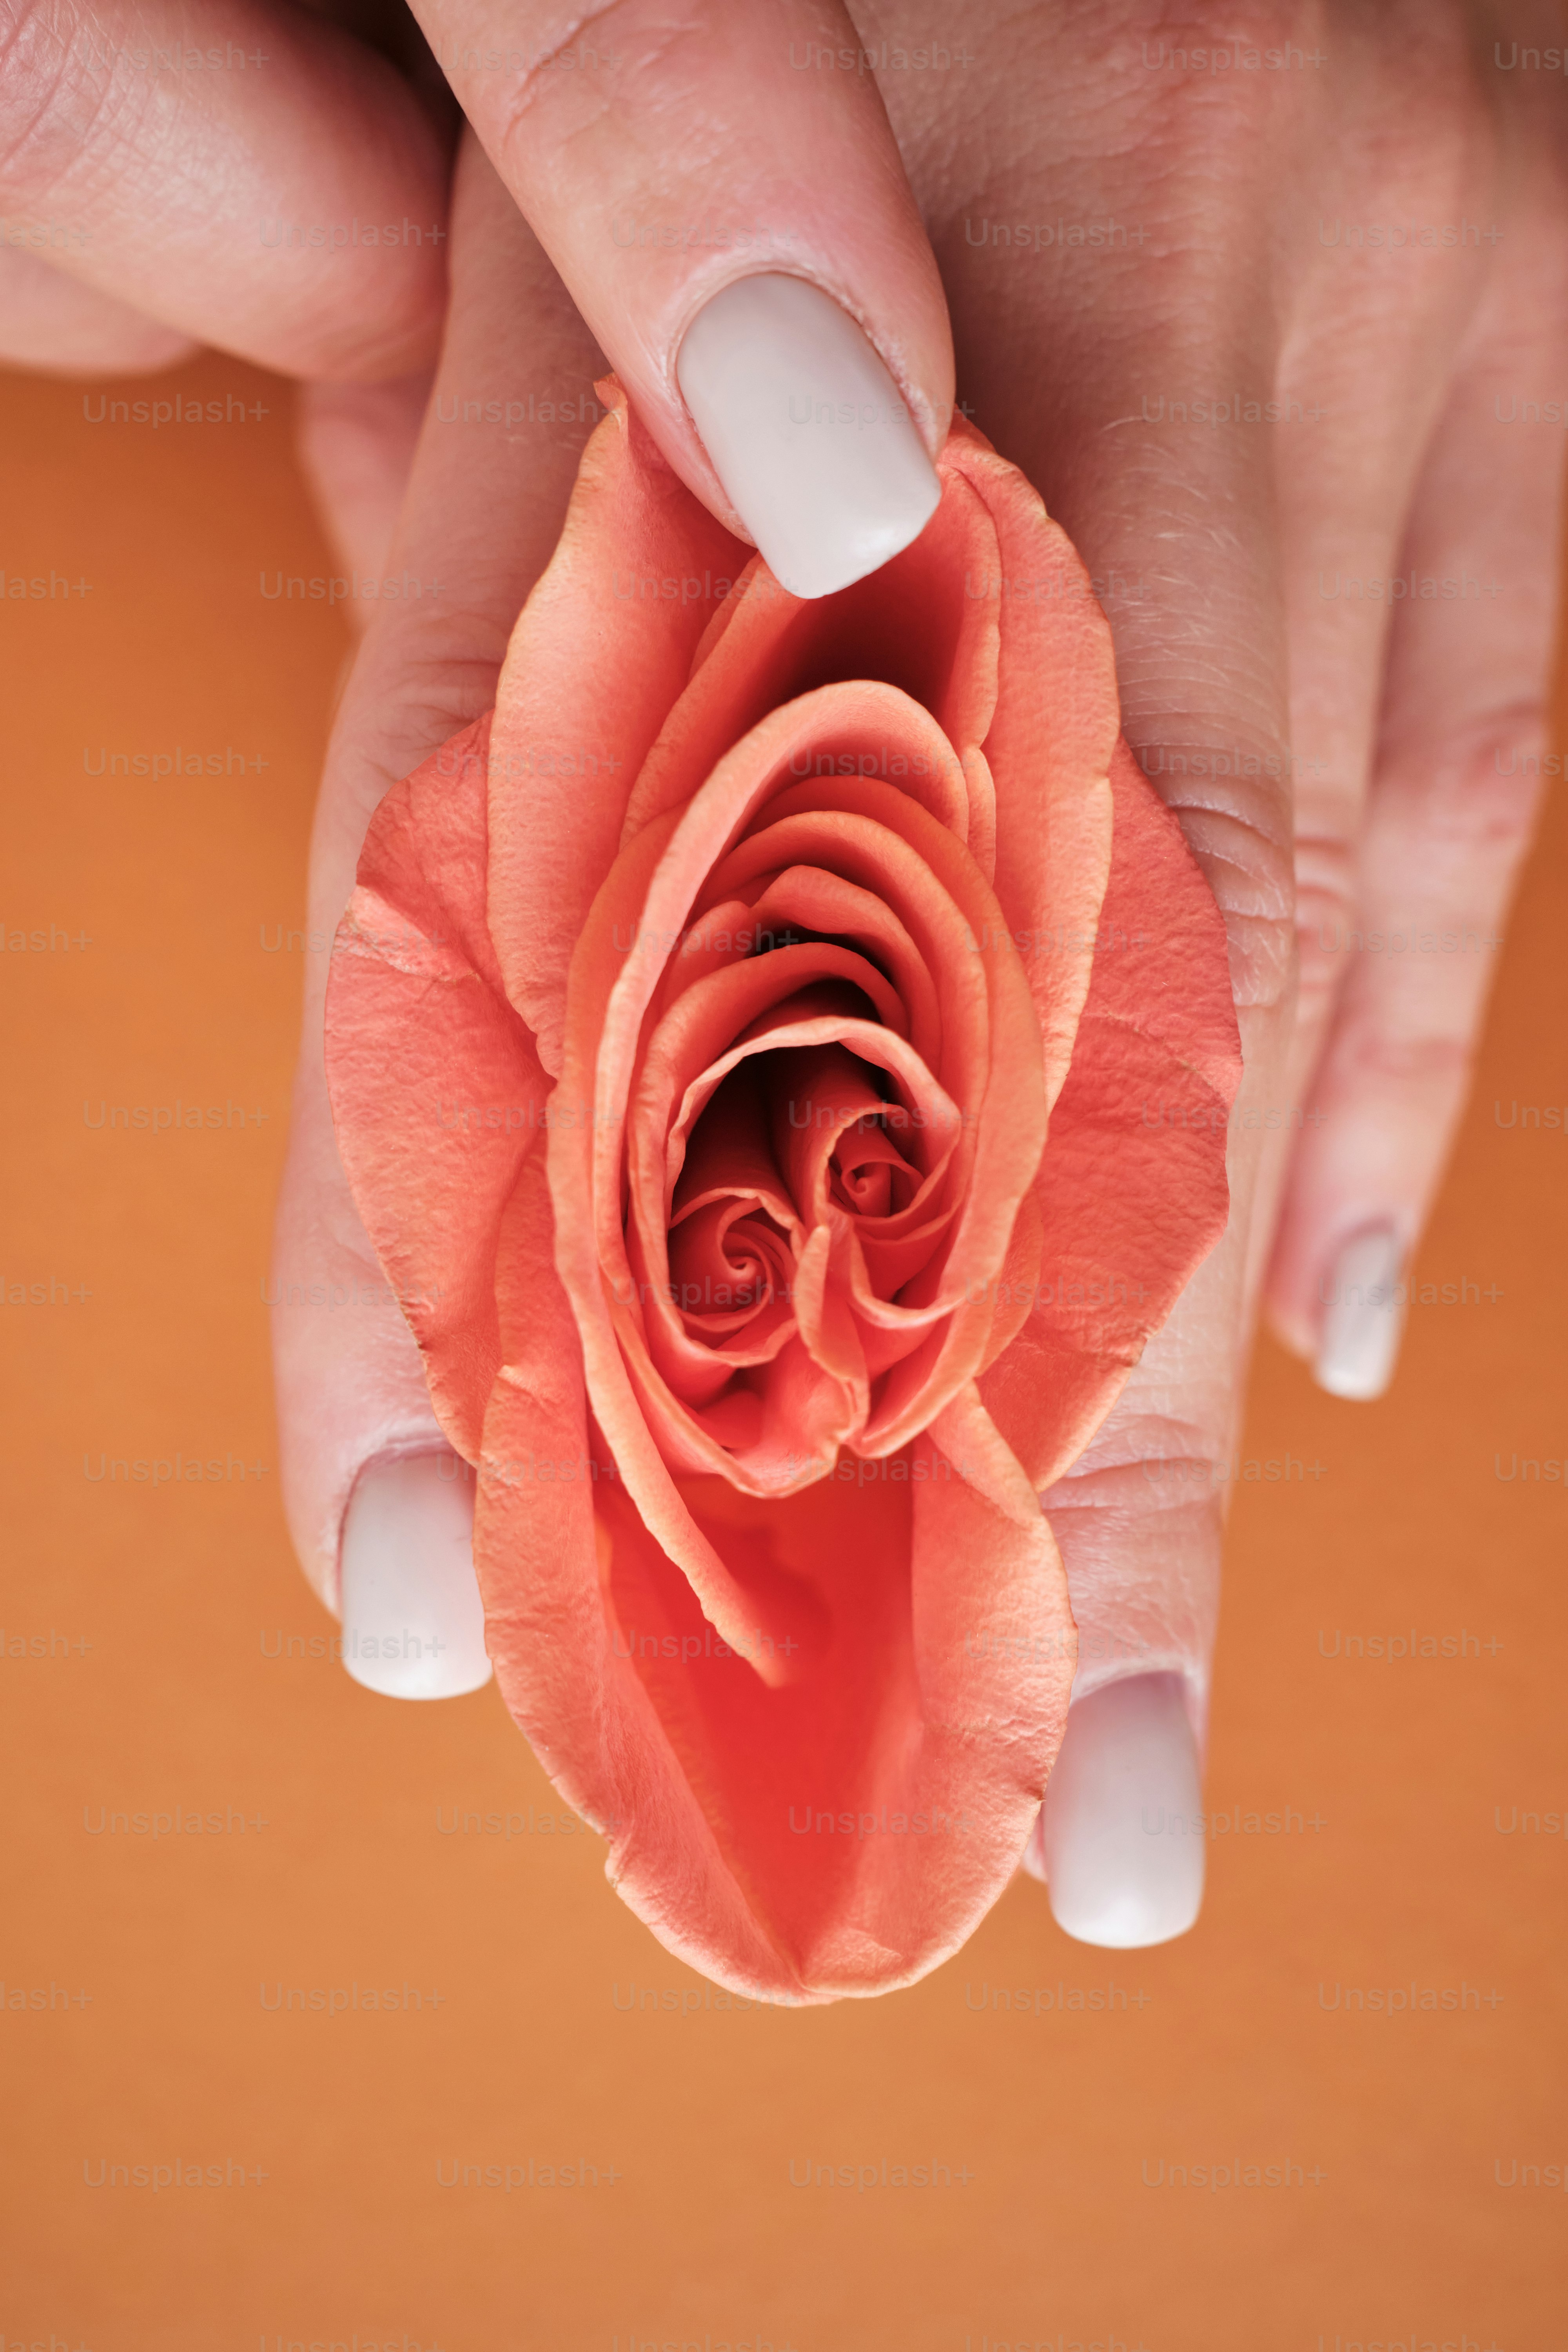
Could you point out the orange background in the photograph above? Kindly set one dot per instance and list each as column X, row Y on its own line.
column 170, row 1598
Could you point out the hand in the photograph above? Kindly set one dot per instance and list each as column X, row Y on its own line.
column 1254, row 261
column 251, row 177
column 1211, row 282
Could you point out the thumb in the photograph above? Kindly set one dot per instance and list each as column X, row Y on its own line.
column 724, row 198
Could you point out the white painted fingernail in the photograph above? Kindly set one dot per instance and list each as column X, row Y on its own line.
column 808, row 432
column 414, row 1626
column 1123, row 1853
column 1364, row 1314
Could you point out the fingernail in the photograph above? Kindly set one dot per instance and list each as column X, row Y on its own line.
column 414, row 1626
column 808, row 432
column 1124, row 1859
column 1363, row 1316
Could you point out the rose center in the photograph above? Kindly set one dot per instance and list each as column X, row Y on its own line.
column 868, row 1174
column 728, row 1260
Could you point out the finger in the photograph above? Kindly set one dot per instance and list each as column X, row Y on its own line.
column 721, row 193
column 1056, row 348
column 483, row 511
column 356, row 444
column 50, row 320
column 413, row 1624
column 1464, row 726
column 1127, row 1774
column 259, row 180
column 1368, row 375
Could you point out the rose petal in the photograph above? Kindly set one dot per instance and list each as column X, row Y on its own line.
column 1159, row 1029
column 913, row 624
column 437, row 1091
column 1050, row 742
column 589, row 678
column 889, row 1787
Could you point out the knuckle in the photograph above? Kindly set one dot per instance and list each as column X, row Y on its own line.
column 1485, row 794
column 1235, row 825
column 438, row 692
column 1453, row 816
column 1325, row 911
column 385, row 734
column 1141, row 1462
column 1374, row 1051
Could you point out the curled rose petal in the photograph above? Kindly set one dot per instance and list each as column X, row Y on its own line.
column 760, row 1048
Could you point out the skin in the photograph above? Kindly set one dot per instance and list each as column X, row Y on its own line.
column 1374, row 799
column 172, row 190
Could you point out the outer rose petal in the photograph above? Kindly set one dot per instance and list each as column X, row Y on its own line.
column 593, row 665
column 1132, row 1191
column 437, row 1091
column 1055, row 732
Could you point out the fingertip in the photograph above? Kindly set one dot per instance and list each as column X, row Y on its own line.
column 807, row 430
column 414, row 1625
column 1118, row 1841
column 1363, row 1315
column 693, row 189
column 1286, row 1327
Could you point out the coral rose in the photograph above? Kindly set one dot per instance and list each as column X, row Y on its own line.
column 741, row 1045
